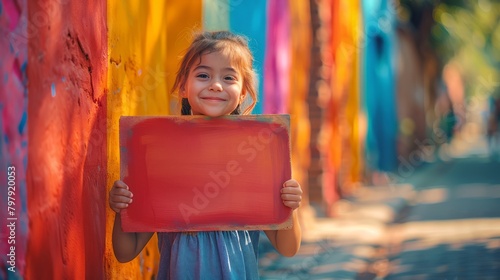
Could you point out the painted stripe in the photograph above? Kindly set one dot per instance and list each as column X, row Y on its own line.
column 301, row 41
column 249, row 18
column 216, row 15
column 379, row 85
column 277, row 59
column 146, row 40
column 13, row 139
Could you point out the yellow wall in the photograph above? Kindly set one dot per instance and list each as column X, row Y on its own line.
column 348, row 57
column 301, row 42
column 145, row 42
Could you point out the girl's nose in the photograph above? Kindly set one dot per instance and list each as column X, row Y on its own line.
column 215, row 86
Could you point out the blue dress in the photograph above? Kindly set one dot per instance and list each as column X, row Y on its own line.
column 208, row 255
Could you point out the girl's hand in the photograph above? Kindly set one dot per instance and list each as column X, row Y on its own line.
column 119, row 196
column 291, row 194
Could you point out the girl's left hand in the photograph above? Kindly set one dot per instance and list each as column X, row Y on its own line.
column 291, row 194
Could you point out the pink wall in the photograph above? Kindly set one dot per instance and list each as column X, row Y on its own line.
column 13, row 137
column 66, row 178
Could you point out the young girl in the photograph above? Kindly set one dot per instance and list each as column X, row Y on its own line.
column 215, row 79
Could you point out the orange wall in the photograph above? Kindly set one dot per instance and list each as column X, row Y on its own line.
column 67, row 134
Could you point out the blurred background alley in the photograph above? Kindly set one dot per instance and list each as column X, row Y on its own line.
column 395, row 128
column 441, row 222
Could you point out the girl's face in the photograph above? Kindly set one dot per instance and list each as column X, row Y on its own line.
column 214, row 86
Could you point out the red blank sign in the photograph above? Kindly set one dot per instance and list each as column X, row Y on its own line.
column 192, row 173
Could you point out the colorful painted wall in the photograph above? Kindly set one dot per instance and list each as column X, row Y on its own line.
column 142, row 68
column 88, row 63
column 379, row 84
column 340, row 99
column 67, row 127
column 13, row 138
column 138, row 58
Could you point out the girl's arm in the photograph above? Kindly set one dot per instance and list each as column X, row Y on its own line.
column 126, row 245
column 287, row 241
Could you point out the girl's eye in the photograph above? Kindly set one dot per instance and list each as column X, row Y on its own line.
column 203, row 76
column 230, row 78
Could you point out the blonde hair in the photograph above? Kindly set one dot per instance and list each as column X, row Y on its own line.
column 227, row 43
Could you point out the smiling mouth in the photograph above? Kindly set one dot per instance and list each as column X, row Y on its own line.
column 213, row 99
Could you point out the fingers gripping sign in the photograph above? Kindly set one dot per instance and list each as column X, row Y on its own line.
column 291, row 194
column 119, row 196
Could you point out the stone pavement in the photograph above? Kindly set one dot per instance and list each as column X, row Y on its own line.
column 453, row 228
column 346, row 246
column 442, row 223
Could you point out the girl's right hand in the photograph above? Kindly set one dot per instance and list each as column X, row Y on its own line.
column 119, row 196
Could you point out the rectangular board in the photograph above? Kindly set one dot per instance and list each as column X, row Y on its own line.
column 195, row 173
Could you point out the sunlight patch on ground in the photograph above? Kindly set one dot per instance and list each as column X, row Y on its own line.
column 431, row 233
column 346, row 231
column 380, row 193
column 432, row 196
